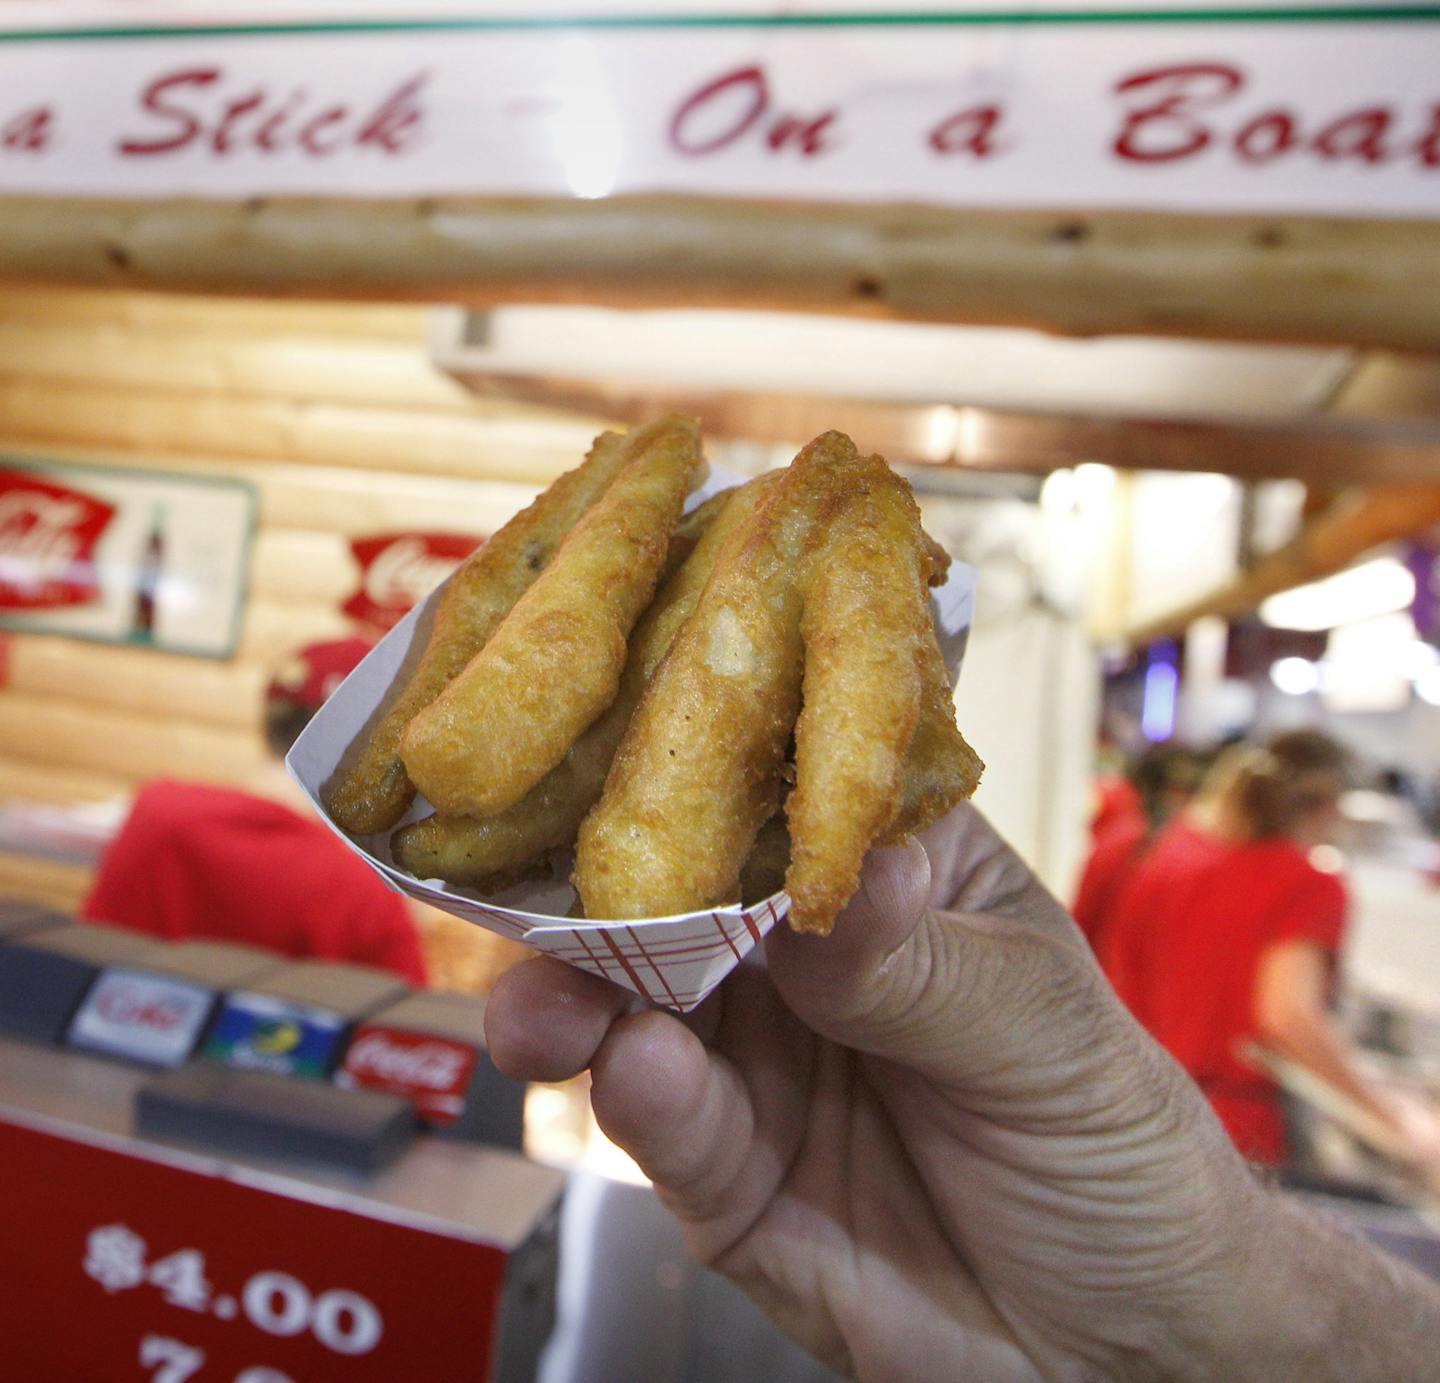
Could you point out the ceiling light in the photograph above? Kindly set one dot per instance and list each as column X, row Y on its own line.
column 1418, row 658
column 1364, row 665
column 1093, row 482
column 1373, row 588
column 1295, row 676
column 1057, row 494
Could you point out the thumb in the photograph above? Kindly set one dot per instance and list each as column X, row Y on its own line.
column 831, row 976
column 1000, row 997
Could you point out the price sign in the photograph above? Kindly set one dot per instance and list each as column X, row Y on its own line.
column 143, row 1270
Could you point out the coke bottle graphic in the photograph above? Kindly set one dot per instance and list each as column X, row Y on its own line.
column 147, row 581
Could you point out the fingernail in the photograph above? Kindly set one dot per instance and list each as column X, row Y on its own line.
column 894, row 874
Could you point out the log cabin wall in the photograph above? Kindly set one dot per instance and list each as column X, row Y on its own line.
column 335, row 415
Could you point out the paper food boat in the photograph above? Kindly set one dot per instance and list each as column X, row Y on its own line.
column 674, row 961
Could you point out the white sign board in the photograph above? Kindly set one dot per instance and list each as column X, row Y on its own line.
column 1274, row 107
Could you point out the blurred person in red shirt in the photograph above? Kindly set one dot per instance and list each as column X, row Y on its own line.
column 1130, row 812
column 1227, row 935
column 197, row 861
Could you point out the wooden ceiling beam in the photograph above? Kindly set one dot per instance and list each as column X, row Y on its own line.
column 1272, row 278
column 1334, row 453
column 1354, row 525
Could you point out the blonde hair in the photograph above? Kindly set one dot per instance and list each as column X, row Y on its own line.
column 1260, row 793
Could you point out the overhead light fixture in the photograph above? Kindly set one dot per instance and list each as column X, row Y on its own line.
column 1094, row 482
column 1418, row 658
column 1058, row 493
column 1295, row 676
column 1364, row 667
column 1378, row 587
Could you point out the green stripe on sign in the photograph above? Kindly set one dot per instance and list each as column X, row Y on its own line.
column 1316, row 14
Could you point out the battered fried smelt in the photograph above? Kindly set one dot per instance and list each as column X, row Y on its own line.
column 763, row 872
column 698, row 771
column 941, row 769
column 866, row 622
column 489, row 852
column 554, row 664
column 691, row 528
column 939, row 559
column 372, row 791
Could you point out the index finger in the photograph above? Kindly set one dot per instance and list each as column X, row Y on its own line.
column 545, row 1020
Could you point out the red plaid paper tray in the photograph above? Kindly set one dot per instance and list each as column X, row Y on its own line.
column 673, row 961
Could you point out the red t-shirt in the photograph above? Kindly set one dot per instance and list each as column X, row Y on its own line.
column 1115, row 800
column 1183, row 949
column 1117, row 850
column 194, row 861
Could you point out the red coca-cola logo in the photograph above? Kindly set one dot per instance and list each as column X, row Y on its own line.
column 433, row 1071
column 398, row 570
column 48, row 536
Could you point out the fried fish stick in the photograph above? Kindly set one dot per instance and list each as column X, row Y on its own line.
column 698, row 771
column 372, row 791
column 763, row 872
column 941, row 769
column 554, row 663
column 938, row 559
column 866, row 621
column 489, row 852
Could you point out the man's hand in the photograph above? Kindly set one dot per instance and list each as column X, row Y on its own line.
column 933, row 1145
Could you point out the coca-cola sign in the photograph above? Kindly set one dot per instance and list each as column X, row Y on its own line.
column 433, row 1072
column 48, row 535
column 398, row 570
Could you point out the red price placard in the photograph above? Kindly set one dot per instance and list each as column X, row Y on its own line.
column 118, row 1267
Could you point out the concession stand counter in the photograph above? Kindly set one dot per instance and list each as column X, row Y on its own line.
column 238, row 1216
column 300, row 301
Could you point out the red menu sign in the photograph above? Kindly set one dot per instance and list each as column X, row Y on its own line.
column 118, row 1267
column 48, row 535
column 398, row 570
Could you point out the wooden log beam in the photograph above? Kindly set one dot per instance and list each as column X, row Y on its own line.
column 1317, row 449
column 385, row 374
column 1352, row 526
column 259, row 318
column 82, row 735
column 330, row 499
column 227, row 693
column 1369, row 283
column 480, row 444
column 54, row 883
column 274, row 630
column 34, row 780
